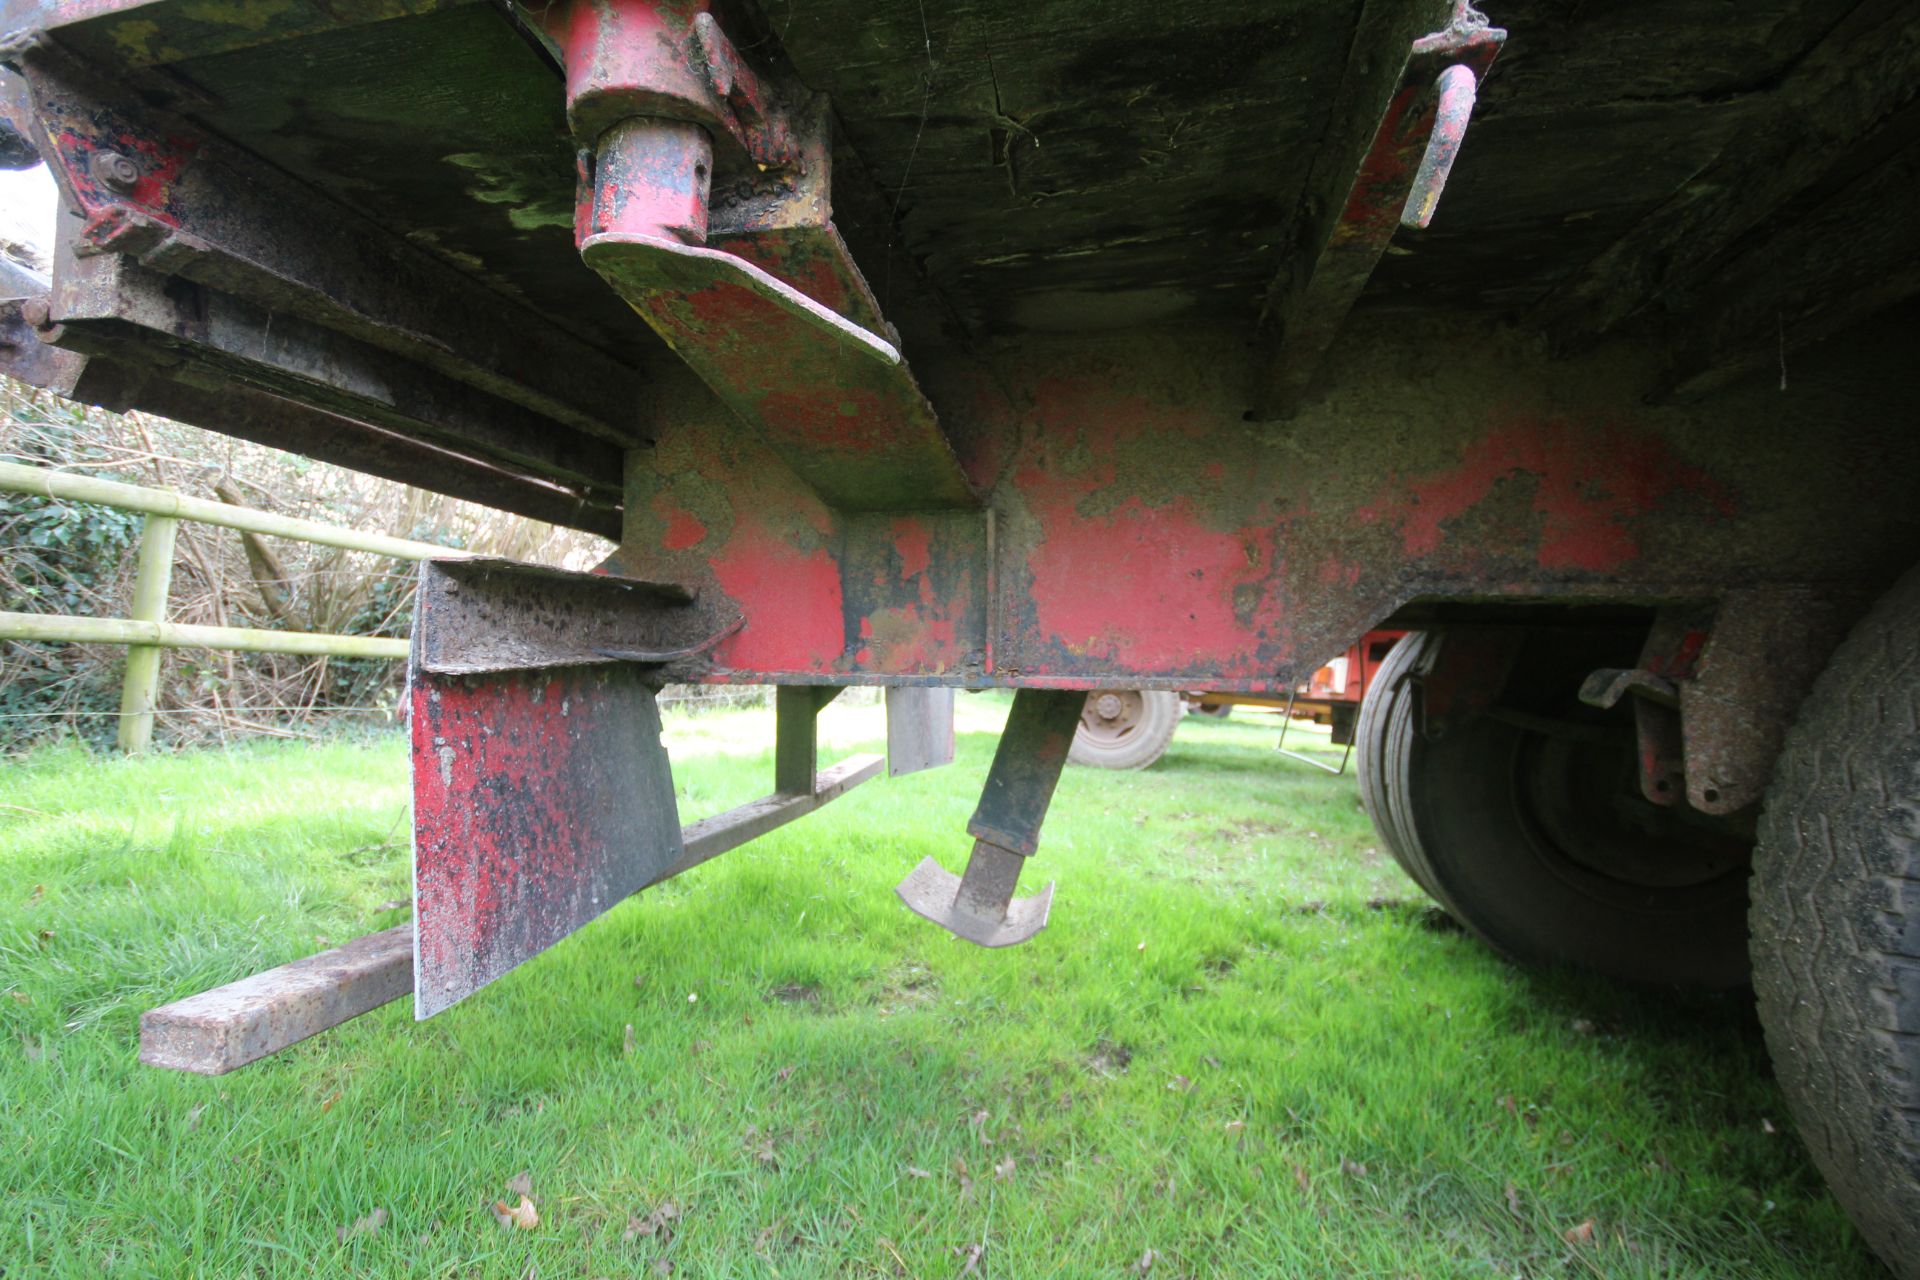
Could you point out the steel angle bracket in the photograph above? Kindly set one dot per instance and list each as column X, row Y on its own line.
column 979, row 906
column 833, row 399
column 707, row 205
column 542, row 794
column 919, row 730
column 475, row 616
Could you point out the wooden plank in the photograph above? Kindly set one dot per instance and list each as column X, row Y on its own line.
column 1850, row 86
column 244, row 1021
column 919, row 730
column 1841, row 261
column 217, row 1031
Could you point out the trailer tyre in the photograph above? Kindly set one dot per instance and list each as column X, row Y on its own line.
column 1836, row 925
column 1538, row 841
column 1125, row 728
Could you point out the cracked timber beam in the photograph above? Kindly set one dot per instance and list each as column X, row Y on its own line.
column 1841, row 260
column 1841, row 110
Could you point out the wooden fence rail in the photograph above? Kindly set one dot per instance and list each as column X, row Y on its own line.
column 147, row 632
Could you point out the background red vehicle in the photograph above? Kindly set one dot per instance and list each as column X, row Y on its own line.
column 1073, row 346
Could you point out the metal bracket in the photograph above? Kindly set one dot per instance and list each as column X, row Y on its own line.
column 542, row 793
column 980, row 905
column 489, row 615
column 1400, row 118
column 1656, row 720
column 653, row 89
column 541, row 798
column 1281, row 746
column 919, row 729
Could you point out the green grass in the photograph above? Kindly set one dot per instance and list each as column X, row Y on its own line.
column 1239, row 1004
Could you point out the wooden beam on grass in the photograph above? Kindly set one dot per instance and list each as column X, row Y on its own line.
column 228, row 1027
column 244, row 1021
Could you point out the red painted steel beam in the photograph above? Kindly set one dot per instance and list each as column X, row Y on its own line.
column 1141, row 536
column 190, row 207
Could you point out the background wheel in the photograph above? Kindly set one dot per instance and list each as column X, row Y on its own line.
column 1527, row 824
column 1836, row 925
column 1126, row 728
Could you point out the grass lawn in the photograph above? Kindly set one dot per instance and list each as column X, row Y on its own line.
column 1243, row 1047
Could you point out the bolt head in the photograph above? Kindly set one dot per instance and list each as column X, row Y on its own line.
column 114, row 171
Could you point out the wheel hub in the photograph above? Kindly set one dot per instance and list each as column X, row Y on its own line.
column 1583, row 799
column 1112, row 713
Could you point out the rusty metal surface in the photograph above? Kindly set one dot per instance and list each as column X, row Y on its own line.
column 203, row 211
column 1140, row 534
column 669, row 60
column 139, row 33
column 678, row 121
column 483, row 615
column 1761, row 656
column 711, row 837
column 979, row 905
column 1363, row 200
column 1135, row 530
column 796, row 736
column 919, row 730
column 540, row 800
column 218, row 404
column 833, row 400
column 1026, row 768
column 1455, row 92
column 23, row 355
column 108, row 305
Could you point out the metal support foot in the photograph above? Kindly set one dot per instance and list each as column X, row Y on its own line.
column 980, row 905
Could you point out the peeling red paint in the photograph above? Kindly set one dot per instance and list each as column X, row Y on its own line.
column 829, row 418
column 1589, row 486
column 541, row 799
column 1153, row 588
column 681, row 529
column 792, row 600
column 915, row 545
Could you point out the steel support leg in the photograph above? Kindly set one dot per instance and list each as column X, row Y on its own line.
column 980, row 905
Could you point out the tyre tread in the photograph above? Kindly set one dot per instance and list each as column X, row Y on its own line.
column 1836, row 925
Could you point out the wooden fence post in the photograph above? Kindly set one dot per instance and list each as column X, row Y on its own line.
column 153, row 576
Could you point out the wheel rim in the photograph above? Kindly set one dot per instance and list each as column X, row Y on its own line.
column 1111, row 716
column 1585, row 819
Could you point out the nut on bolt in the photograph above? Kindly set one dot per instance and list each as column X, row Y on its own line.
column 114, row 171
